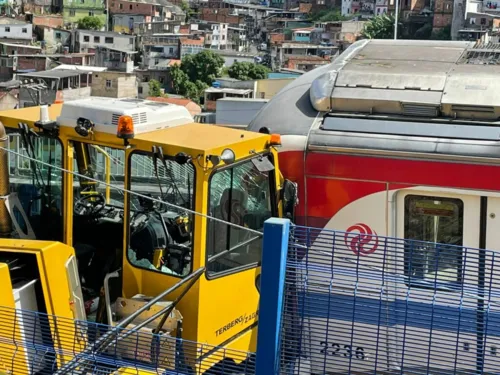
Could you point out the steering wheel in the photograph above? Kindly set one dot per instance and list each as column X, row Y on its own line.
column 84, row 207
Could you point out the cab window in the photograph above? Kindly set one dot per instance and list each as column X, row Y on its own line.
column 161, row 234
column 38, row 186
column 241, row 194
column 436, row 226
column 97, row 212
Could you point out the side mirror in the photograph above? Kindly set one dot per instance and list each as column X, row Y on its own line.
column 290, row 199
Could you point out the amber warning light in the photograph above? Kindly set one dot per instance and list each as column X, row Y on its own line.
column 125, row 127
column 275, row 140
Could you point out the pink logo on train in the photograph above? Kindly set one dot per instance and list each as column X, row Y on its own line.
column 361, row 239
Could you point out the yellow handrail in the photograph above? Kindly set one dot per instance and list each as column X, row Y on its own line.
column 108, row 171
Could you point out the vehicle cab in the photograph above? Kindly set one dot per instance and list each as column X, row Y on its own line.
column 133, row 186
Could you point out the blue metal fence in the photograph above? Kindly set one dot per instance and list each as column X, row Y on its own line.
column 359, row 305
column 36, row 343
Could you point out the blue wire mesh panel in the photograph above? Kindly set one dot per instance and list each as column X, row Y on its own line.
column 36, row 343
column 359, row 305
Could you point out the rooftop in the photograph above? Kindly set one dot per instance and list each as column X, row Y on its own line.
column 52, row 74
column 12, row 21
column 20, row 45
column 124, row 50
column 195, row 42
column 228, row 91
column 208, row 138
column 250, row 6
column 103, row 33
column 80, row 68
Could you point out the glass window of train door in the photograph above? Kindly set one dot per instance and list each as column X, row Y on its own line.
column 434, row 226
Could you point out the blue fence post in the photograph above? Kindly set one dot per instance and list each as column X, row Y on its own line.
column 272, row 284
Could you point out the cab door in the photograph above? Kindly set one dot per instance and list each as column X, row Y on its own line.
column 437, row 278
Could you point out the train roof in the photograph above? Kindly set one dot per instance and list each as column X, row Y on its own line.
column 458, row 80
column 445, row 91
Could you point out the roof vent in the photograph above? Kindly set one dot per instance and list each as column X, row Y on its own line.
column 420, row 110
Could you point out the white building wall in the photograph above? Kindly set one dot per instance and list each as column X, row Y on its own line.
column 17, row 31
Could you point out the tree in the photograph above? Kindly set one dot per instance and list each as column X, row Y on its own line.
column 186, row 9
column 329, row 15
column 182, row 85
column 247, row 71
column 90, row 23
column 442, row 34
column 154, row 88
column 204, row 66
column 380, row 27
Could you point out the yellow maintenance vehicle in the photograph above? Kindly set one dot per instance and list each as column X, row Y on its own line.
column 107, row 203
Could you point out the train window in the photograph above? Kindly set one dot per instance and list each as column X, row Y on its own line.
column 161, row 233
column 240, row 195
column 435, row 226
column 37, row 184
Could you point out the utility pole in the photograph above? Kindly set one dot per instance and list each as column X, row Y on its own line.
column 396, row 20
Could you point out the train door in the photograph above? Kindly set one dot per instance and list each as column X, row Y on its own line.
column 436, row 320
column 488, row 338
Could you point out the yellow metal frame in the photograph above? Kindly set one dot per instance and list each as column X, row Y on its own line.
column 217, row 311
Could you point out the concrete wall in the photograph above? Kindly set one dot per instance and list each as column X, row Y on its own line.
column 124, row 23
column 267, row 88
column 132, row 7
column 48, row 20
column 237, row 111
column 123, row 85
column 17, row 31
column 8, row 101
column 75, row 10
column 88, row 40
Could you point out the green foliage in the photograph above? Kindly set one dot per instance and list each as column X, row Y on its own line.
column 182, row 85
column 380, row 27
column 328, row 15
column 90, row 23
column 204, row 66
column 186, row 9
column 442, row 34
column 247, row 71
column 196, row 73
column 154, row 88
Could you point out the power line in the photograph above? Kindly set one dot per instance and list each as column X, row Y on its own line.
column 133, row 192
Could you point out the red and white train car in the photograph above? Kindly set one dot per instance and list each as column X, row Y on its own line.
column 401, row 139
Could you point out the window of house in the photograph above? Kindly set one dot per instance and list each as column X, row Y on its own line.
column 24, row 30
column 108, row 83
column 223, row 37
column 86, row 38
column 58, row 35
column 7, row 29
column 72, row 13
column 157, row 61
column 435, row 226
column 91, row 13
column 162, row 79
column 82, row 1
column 96, row 39
column 121, row 6
column 483, row 21
column 108, row 40
column 140, row 89
column 171, row 50
column 130, row 6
